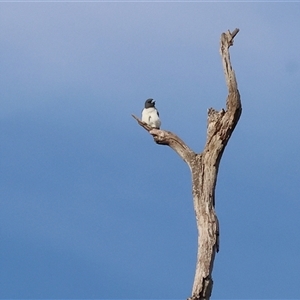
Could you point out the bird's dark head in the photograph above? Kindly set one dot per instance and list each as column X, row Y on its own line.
column 149, row 103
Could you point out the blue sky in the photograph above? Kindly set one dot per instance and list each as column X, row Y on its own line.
column 91, row 207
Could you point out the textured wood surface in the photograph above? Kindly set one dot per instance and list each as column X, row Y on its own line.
column 204, row 168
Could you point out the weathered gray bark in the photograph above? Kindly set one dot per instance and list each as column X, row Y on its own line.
column 204, row 168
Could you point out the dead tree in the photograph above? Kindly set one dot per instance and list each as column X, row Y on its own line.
column 204, row 168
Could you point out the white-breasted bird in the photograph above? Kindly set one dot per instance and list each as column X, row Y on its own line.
column 150, row 114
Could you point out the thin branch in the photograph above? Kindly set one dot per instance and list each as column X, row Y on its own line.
column 226, row 42
column 222, row 123
column 163, row 137
column 143, row 124
column 233, row 34
column 233, row 103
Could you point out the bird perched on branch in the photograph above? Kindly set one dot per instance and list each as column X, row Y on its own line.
column 150, row 114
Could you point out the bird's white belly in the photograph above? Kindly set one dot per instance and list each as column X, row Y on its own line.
column 149, row 116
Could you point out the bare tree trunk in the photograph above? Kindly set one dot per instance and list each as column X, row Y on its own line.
column 204, row 168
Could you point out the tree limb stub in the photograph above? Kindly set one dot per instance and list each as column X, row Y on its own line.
column 204, row 168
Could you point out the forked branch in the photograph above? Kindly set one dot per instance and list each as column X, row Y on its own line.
column 204, row 168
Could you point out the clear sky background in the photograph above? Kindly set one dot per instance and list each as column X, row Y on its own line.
column 91, row 207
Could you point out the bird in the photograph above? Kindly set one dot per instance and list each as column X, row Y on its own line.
column 150, row 114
